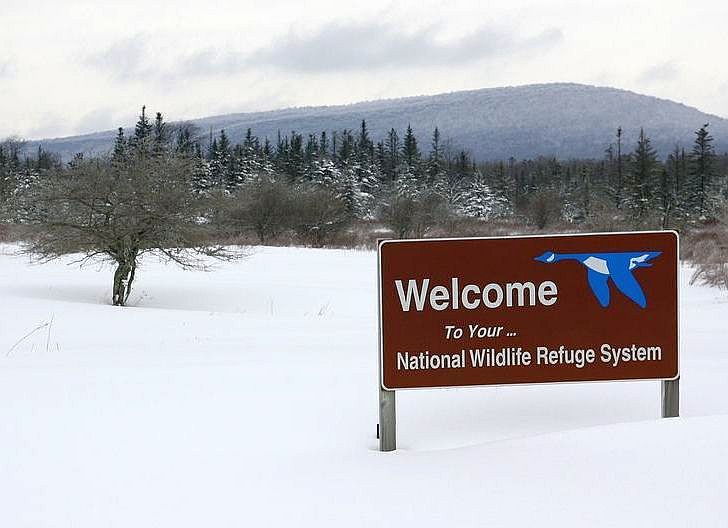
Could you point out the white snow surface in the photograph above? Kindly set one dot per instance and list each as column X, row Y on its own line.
column 247, row 396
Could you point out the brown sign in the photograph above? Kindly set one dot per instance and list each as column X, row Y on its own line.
column 488, row 311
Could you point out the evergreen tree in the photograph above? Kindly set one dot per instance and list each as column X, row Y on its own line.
column 160, row 136
column 211, row 150
column 702, row 171
column 323, row 145
column 410, row 150
column 345, row 153
column 294, row 164
column 143, row 128
column 504, row 184
column 642, row 176
column 435, row 164
column 266, row 161
column 216, row 161
column 280, row 153
column 249, row 160
column 391, row 159
column 8, row 175
column 364, row 145
column 479, row 201
column 223, row 145
column 347, row 190
column 677, row 175
column 407, row 183
column 142, row 133
column 324, row 173
column 251, row 144
column 344, row 184
column 235, row 172
column 311, row 150
column 119, row 154
column 202, row 181
column 222, row 167
column 185, row 145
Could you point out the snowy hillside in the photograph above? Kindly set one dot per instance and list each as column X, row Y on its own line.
column 247, row 397
column 562, row 120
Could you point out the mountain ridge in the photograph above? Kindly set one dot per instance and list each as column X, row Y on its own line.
column 563, row 120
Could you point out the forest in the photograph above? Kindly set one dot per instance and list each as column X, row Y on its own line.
column 344, row 189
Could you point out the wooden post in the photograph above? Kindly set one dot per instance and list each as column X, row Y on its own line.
column 387, row 420
column 671, row 398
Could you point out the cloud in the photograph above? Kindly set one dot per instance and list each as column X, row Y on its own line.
column 375, row 46
column 664, row 72
column 210, row 62
column 333, row 48
column 99, row 119
column 124, row 59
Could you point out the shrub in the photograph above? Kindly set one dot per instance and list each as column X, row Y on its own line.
column 543, row 208
column 317, row 215
column 261, row 207
column 414, row 216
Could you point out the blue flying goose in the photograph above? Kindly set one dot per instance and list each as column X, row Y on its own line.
column 603, row 266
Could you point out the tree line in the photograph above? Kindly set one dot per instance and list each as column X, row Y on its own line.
column 163, row 188
column 371, row 178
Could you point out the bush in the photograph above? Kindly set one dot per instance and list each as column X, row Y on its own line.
column 543, row 208
column 398, row 214
column 710, row 257
column 317, row 216
column 262, row 207
column 416, row 217
column 707, row 249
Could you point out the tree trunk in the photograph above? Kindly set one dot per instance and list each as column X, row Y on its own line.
column 131, row 279
column 123, row 278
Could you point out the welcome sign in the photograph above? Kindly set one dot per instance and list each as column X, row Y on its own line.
column 488, row 311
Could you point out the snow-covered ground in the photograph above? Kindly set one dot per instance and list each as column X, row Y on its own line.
column 247, row 397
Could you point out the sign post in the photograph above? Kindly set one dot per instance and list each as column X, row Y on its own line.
column 387, row 426
column 524, row 310
column 671, row 398
column 387, row 420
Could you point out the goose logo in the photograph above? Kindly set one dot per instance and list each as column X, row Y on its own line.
column 604, row 266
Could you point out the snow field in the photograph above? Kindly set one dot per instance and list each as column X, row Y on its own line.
column 247, row 397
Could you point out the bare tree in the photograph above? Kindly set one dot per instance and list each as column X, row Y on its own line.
column 431, row 211
column 263, row 207
column 119, row 212
column 317, row 215
column 414, row 216
column 543, row 207
column 398, row 215
column 707, row 249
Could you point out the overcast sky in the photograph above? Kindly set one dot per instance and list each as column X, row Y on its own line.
column 69, row 67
